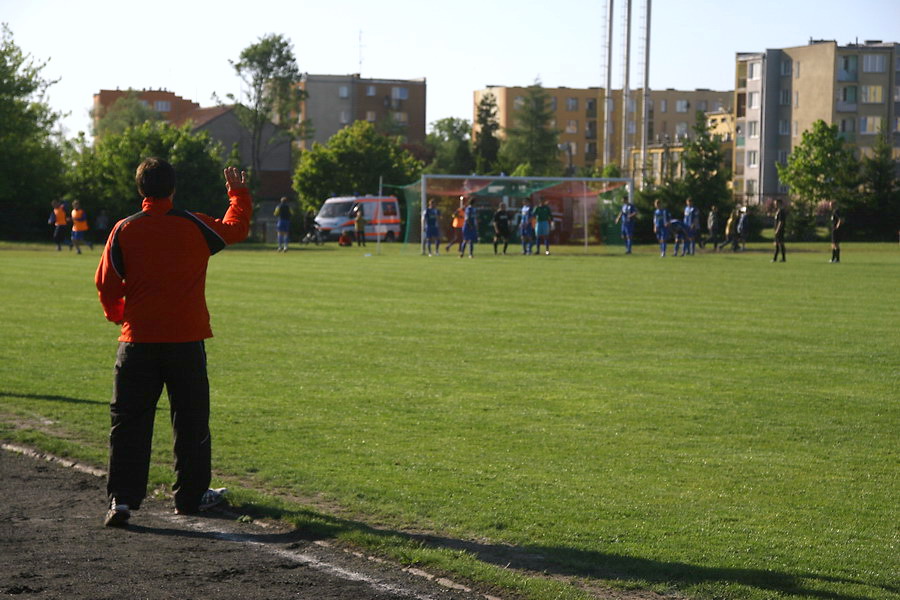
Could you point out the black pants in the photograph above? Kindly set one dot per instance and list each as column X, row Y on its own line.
column 141, row 372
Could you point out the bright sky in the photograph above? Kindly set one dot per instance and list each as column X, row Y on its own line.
column 459, row 46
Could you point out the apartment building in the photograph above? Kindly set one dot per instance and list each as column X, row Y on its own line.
column 335, row 101
column 171, row 106
column 780, row 93
column 579, row 116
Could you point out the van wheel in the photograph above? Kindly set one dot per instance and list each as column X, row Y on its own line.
column 389, row 237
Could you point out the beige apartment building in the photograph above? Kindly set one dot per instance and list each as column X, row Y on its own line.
column 171, row 106
column 335, row 101
column 780, row 93
column 579, row 116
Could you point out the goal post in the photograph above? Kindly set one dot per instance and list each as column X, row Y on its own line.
column 580, row 205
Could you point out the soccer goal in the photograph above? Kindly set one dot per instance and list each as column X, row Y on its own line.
column 583, row 207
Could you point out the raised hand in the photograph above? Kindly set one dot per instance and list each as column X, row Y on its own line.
column 235, row 179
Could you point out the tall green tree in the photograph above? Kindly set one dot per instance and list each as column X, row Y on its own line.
column 531, row 147
column 125, row 112
column 31, row 166
column 270, row 72
column 102, row 175
column 822, row 167
column 486, row 145
column 705, row 179
column 876, row 211
column 448, row 143
column 351, row 163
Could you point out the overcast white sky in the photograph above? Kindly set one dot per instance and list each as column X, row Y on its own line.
column 458, row 46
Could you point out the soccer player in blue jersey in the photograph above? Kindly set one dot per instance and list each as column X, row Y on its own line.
column 627, row 216
column 430, row 218
column 661, row 226
column 691, row 227
column 469, row 230
column 678, row 232
column 526, row 226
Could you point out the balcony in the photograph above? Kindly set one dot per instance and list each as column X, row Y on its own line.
column 845, row 75
column 848, row 136
column 844, row 106
column 739, row 141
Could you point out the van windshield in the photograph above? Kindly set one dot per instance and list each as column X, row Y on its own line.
column 335, row 209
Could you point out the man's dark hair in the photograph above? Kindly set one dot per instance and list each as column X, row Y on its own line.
column 155, row 178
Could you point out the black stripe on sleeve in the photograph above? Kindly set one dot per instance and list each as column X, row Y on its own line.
column 115, row 249
column 213, row 240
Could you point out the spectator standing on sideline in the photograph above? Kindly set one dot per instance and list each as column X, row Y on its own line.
column 691, row 227
column 469, row 229
column 780, row 220
column 543, row 216
column 430, row 217
column 500, row 221
column 627, row 215
column 526, row 226
column 80, row 227
column 283, row 224
column 59, row 218
column 837, row 233
column 359, row 225
column 151, row 280
column 661, row 227
column 712, row 226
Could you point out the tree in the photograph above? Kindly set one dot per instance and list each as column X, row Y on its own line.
column 125, row 112
column 876, row 212
column 448, row 143
column 820, row 168
column 31, row 166
column 102, row 175
column 705, row 179
column 351, row 163
column 486, row 146
column 531, row 147
column 270, row 71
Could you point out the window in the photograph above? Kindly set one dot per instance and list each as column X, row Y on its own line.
column 632, row 105
column 681, row 106
column 400, row 93
column 797, row 70
column 370, row 116
column 663, row 105
column 871, row 94
column 162, row 106
column 751, row 187
column 782, row 157
column 848, row 94
column 518, row 102
column 345, row 117
column 552, row 103
column 753, row 129
column 849, row 63
column 796, row 99
column 389, row 209
column 848, row 125
column 632, row 128
column 784, row 97
column 572, row 126
column 717, row 105
column 681, row 129
column 796, row 128
column 874, row 63
column 400, row 117
column 571, row 103
column 752, row 158
column 869, row 124
column 754, row 100
column 755, row 69
column 344, row 91
column 370, row 90
column 786, row 67
column 701, row 105
column 784, row 127
column 896, row 125
column 897, row 93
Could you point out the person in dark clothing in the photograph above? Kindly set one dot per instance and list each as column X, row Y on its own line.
column 500, row 221
column 151, row 280
column 780, row 219
column 837, row 233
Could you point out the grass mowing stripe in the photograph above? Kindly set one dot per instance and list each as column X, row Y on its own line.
column 717, row 425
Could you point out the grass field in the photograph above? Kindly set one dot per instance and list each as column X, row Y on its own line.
column 714, row 426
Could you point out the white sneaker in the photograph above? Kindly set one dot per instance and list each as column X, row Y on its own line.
column 117, row 515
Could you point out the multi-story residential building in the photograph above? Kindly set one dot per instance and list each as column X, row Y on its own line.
column 579, row 116
column 780, row 93
column 171, row 107
column 335, row 101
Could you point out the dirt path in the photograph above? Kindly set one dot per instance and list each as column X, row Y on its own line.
column 53, row 545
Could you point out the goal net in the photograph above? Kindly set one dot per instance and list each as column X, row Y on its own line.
column 583, row 208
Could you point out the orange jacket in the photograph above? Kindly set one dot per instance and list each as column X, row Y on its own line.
column 152, row 275
column 79, row 220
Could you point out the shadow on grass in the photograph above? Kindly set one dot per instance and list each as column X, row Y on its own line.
column 51, row 398
column 535, row 560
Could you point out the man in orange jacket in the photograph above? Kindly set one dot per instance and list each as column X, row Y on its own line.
column 151, row 281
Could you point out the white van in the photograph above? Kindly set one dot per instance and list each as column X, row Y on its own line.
column 382, row 214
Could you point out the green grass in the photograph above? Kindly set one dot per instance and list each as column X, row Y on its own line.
column 715, row 426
